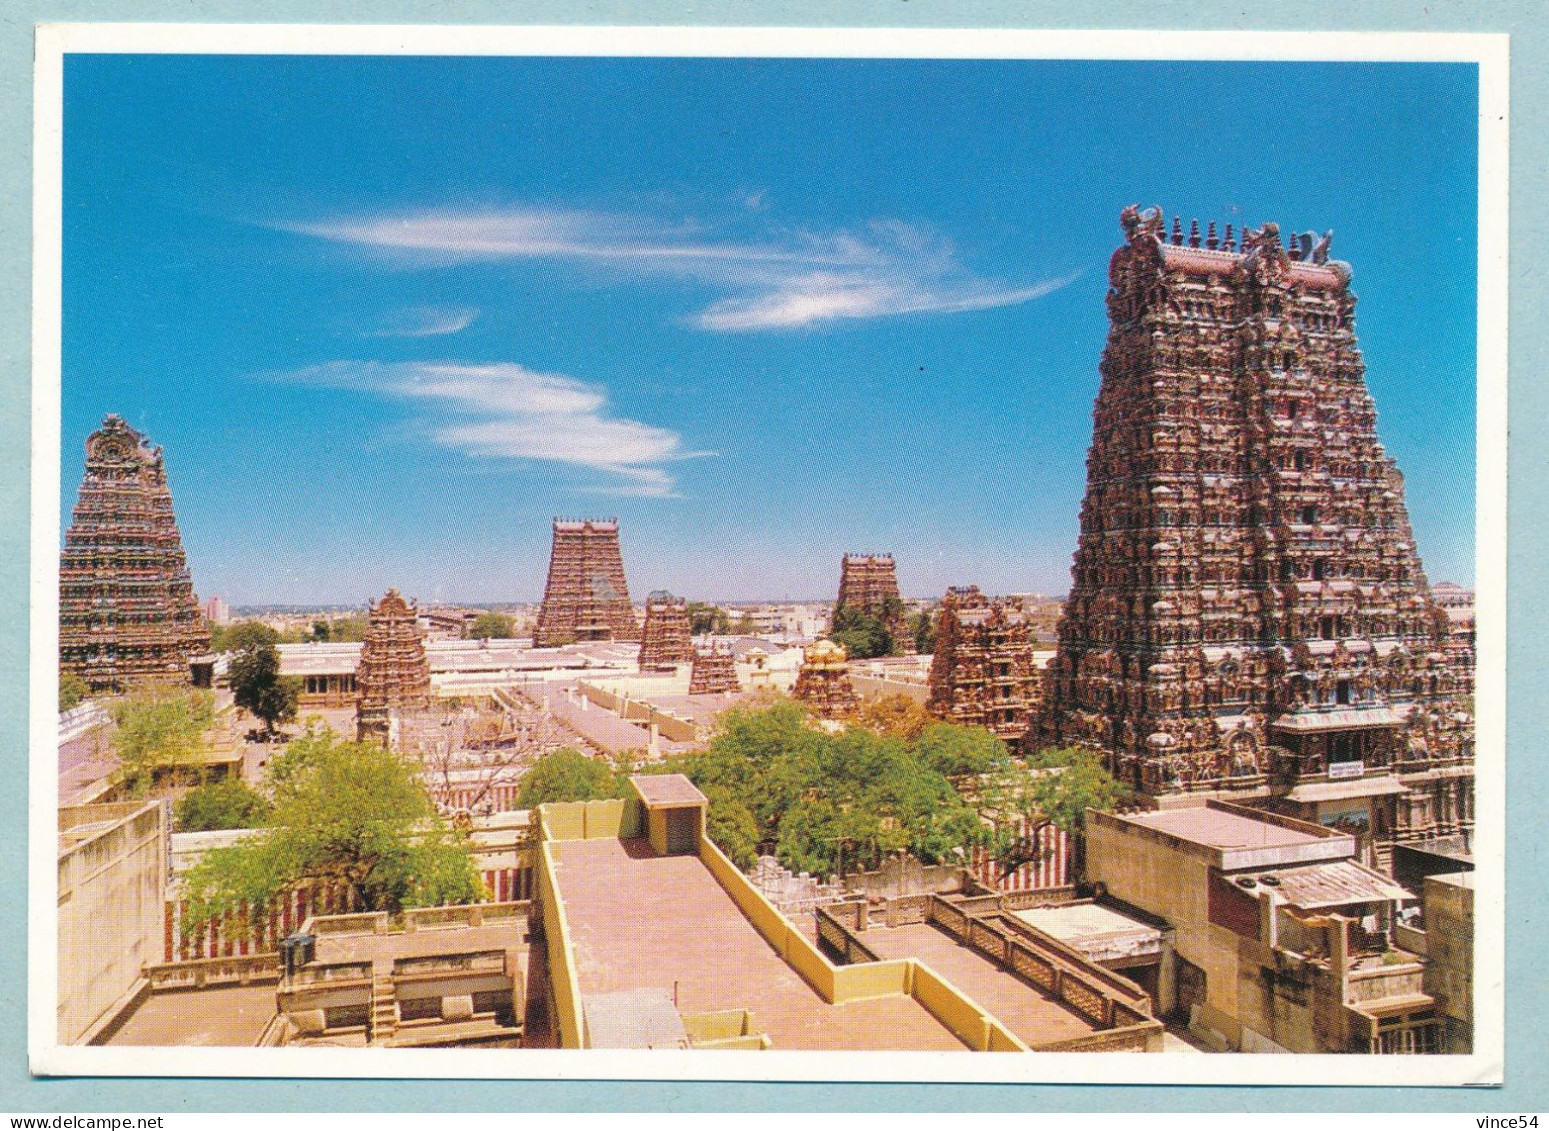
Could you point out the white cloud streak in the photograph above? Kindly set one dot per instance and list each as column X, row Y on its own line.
column 780, row 280
column 424, row 322
column 506, row 411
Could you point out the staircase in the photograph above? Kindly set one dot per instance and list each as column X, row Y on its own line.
column 384, row 1009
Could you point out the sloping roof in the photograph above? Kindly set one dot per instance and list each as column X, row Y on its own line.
column 1330, row 884
column 1355, row 787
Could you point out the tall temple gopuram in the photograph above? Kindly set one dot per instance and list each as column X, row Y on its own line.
column 868, row 583
column 667, row 639
column 714, row 673
column 982, row 672
column 1248, row 615
column 127, row 609
column 586, row 597
column 394, row 670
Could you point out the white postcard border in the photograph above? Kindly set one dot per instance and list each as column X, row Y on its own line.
column 1490, row 51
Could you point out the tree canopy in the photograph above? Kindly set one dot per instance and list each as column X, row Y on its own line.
column 706, row 619
column 257, row 686
column 568, row 775
column 159, row 728
column 492, row 626
column 1055, row 787
column 863, row 636
column 242, row 636
column 348, row 812
column 72, row 690
column 922, row 626
column 227, row 804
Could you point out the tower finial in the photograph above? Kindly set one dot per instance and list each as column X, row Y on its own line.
column 1177, row 230
column 1210, row 237
column 1231, row 239
column 1193, row 233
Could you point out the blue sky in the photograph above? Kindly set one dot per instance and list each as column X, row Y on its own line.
column 389, row 316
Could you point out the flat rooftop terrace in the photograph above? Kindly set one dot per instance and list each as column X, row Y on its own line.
column 509, row 935
column 640, row 921
column 224, row 1015
column 1027, row 1011
column 1219, row 828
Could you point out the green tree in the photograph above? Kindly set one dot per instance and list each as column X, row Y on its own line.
column 227, row 804
column 708, row 619
column 961, row 752
column 492, row 626
column 257, row 686
column 1054, row 787
column 896, row 714
column 72, row 690
column 922, row 626
column 863, row 636
column 322, row 631
column 160, row 729
column 245, row 635
column 347, row 812
column 568, row 775
column 349, row 629
column 732, row 826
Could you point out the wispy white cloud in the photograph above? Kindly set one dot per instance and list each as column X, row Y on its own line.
column 424, row 322
column 506, row 411
column 770, row 280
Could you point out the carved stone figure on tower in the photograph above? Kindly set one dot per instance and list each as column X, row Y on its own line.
column 127, row 609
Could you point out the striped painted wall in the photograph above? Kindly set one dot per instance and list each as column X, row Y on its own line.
column 1051, row 869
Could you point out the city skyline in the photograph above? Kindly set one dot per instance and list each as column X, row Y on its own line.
column 616, row 289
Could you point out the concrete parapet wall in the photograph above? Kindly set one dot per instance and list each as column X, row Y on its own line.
column 614, row 818
column 565, row 990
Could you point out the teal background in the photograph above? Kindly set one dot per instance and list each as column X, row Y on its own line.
column 1527, row 952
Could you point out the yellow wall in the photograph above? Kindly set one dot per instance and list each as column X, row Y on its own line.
column 112, row 896
column 590, row 820
column 562, row 975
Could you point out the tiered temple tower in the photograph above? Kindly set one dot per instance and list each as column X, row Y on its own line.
column 823, row 683
column 1248, row 614
column 667, row 639
column 586, row 597
column 982, row 672
column 127, row 610
column 714, row 673
column 868, row 583
column 394, row 671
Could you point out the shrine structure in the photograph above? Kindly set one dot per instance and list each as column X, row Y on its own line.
column 667, row 639
column 127, row 609
column 868, row 583
column 394, row 670
column 983, row 672
column 823, row 682
column 586, row 597
column 1248, row 615
column 714, row 673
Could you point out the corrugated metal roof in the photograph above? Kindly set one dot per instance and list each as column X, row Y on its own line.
column 1332, row 884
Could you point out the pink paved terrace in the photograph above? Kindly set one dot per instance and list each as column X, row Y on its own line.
column 638, row 920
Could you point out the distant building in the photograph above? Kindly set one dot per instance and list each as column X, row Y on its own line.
column 586, row 596
column 216, row 611
column 983, row 671
column 394, row 672
column 127, row 609
column 868, row 583
column 667, row 639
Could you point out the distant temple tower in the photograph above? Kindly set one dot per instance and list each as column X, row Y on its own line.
column 394, row 671
column 823, row 683
column 586, row 597
column 667, row 639
column 127, row 610
column 714, row 673
column 868, row 583
column 982, row 672
column 1248, row 614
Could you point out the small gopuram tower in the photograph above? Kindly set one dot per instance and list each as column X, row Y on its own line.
column 823, row 683
column 127, row 609
column 1248, row 614
column 586, row 597
column 982, row 672
column 868, row 583
column 714, row 673
column 666, row 641
column 394, row 672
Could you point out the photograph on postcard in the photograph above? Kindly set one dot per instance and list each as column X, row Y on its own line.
column 695, row 551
